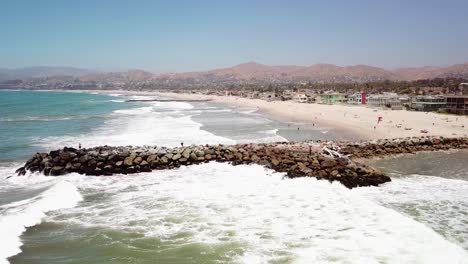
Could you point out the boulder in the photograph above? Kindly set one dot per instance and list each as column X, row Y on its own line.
column 128, row 161
column 186, row 153
column 328, row 163
column 151, row 158
column 193, row 156
column 137, row 160
column 176, row 156
column 275, row 162
column 84, row 158
column 56, row 170
column 164, row 160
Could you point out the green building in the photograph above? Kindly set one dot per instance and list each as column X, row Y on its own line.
column 331, row 98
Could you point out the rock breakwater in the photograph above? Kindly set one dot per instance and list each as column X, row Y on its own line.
column 330, row 161
column 381, row 148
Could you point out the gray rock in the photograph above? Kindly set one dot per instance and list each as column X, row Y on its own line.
column 193, row 156
column 328, row 163
column 56, row 170
column 186, row 153
column 84, row 159
column 64, row 155
column 176, row 156
column 137, row 160
column 128, row 161
column 151, row 158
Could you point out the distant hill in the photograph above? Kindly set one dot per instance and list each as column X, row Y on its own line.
column 248, row 72
column 325, row 72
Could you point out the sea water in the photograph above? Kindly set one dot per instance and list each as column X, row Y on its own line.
column 214, row 212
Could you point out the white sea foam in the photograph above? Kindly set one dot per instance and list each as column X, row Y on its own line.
column 38, row 118
column 440, row 203
column 143, row 126
column 305, row 220
column 273, row 218
column 15, row 217
column 174, row 106
column 271, row 136
column 135, row 111
column 247, row 111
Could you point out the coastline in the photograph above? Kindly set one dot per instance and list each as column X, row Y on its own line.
column 356, row 122
column 427, row 191
column 347, row 122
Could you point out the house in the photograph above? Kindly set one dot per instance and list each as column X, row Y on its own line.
column 331, row 98
column 269, row 96
column 457, row 104
column 301, row 98
column 463, row 87
column 385, row 100
column 287, row 95
column 427, row 103
column 357, row 98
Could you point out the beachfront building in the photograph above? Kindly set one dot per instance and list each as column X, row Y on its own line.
column 253, row 95
column 385, row 100
column 300, row 98
column 457, row 104
column 427, row 103
column 331, row 98
column 270, row 96
column 357, row 98
column 287, row 95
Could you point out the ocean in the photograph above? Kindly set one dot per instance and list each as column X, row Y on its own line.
column 214, row 212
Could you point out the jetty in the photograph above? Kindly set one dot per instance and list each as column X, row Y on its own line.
column 324, row 160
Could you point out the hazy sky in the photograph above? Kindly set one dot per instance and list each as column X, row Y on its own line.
column 198, row 35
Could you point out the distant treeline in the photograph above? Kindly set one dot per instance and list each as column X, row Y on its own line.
column 428, row 86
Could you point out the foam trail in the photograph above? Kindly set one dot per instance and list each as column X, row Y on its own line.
column 274, row 219
column 149, row 125
column 440, row 203
column 15, row 217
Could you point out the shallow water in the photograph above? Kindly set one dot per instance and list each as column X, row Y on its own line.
column 215, row 212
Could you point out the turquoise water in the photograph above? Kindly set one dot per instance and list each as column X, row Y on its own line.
column 211, row 213
column 27, row 116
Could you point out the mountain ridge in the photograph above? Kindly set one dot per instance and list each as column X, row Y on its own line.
column 320, row 72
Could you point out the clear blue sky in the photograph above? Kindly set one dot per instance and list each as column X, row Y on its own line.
column 198, row 35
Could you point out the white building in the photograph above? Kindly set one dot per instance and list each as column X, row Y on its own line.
column 385, row 100
column 301, row 98
column 356, row 98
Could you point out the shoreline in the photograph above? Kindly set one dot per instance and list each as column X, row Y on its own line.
column 351, row 122
column 347, row 122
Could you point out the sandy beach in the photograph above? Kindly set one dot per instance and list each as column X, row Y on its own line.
column 358, row 120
